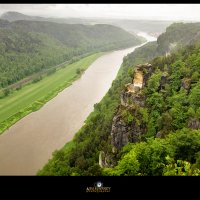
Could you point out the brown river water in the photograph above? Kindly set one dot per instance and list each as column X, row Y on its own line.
column 27, row 145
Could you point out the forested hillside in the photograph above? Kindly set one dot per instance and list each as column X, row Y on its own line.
column 27, row 47
column 162, row 120
column 15, row 16
column 151, row 129
column 154, row 27
column 178, row 35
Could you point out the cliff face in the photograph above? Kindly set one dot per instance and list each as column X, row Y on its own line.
column 131, row 99
column 123, row 133
column 127, row 125
column 132, row 92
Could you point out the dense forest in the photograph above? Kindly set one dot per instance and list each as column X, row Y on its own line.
column 156, row 131
column 28, row 47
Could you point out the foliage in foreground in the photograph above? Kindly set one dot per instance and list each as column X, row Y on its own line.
column 177, row 154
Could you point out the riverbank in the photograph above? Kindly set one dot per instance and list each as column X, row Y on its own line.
column 28, row 144
column 33, row 96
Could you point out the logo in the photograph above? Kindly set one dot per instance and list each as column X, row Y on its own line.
column 98, row 188
column 98, row 184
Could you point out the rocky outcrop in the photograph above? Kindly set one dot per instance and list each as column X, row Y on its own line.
column 138, row 78
column 186, row 84
column 132, row 92
column 122, row 133
column 119, row 133
column 106, row 160
column 163, row 81
column 102, row 161
column 159, row 134
column 194, row 123
column 125, row 98
column 131, row 99
column 147, row 72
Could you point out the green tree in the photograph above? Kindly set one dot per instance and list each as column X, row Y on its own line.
column 179, row 168
column 154, row 83
column 195, row 96
column 6, row 91
column 128, row 166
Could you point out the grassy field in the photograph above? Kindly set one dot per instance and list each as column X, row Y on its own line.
column 33, row 96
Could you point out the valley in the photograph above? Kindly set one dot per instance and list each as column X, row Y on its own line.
column 58, row 120
column 100, row 90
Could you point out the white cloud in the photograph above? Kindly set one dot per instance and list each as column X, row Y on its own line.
column 132, row 11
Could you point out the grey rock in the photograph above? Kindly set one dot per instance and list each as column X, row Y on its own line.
column 194, row 123
column 186, row 84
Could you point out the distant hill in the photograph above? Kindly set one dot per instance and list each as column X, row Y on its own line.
column 75, row 35
column 151, row 26
column 27, row 47
column 179, row 34
column 14, row 16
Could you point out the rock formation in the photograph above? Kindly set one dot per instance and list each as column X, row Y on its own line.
column 131, row 96
column 186, row 84
column 131, row 99
column 194, row 123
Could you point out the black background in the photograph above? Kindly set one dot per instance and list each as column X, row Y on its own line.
column 123, row 188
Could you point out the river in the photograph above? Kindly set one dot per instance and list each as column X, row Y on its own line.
column 27, row 145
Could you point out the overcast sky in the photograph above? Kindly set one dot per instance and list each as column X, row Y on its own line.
column 128, row 11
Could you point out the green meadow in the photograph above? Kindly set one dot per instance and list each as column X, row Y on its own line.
column 33, row 96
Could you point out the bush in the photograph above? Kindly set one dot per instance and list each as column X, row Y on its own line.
column 37, row 79
column 6, row 92
column 51, row 71
column 79, row 71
